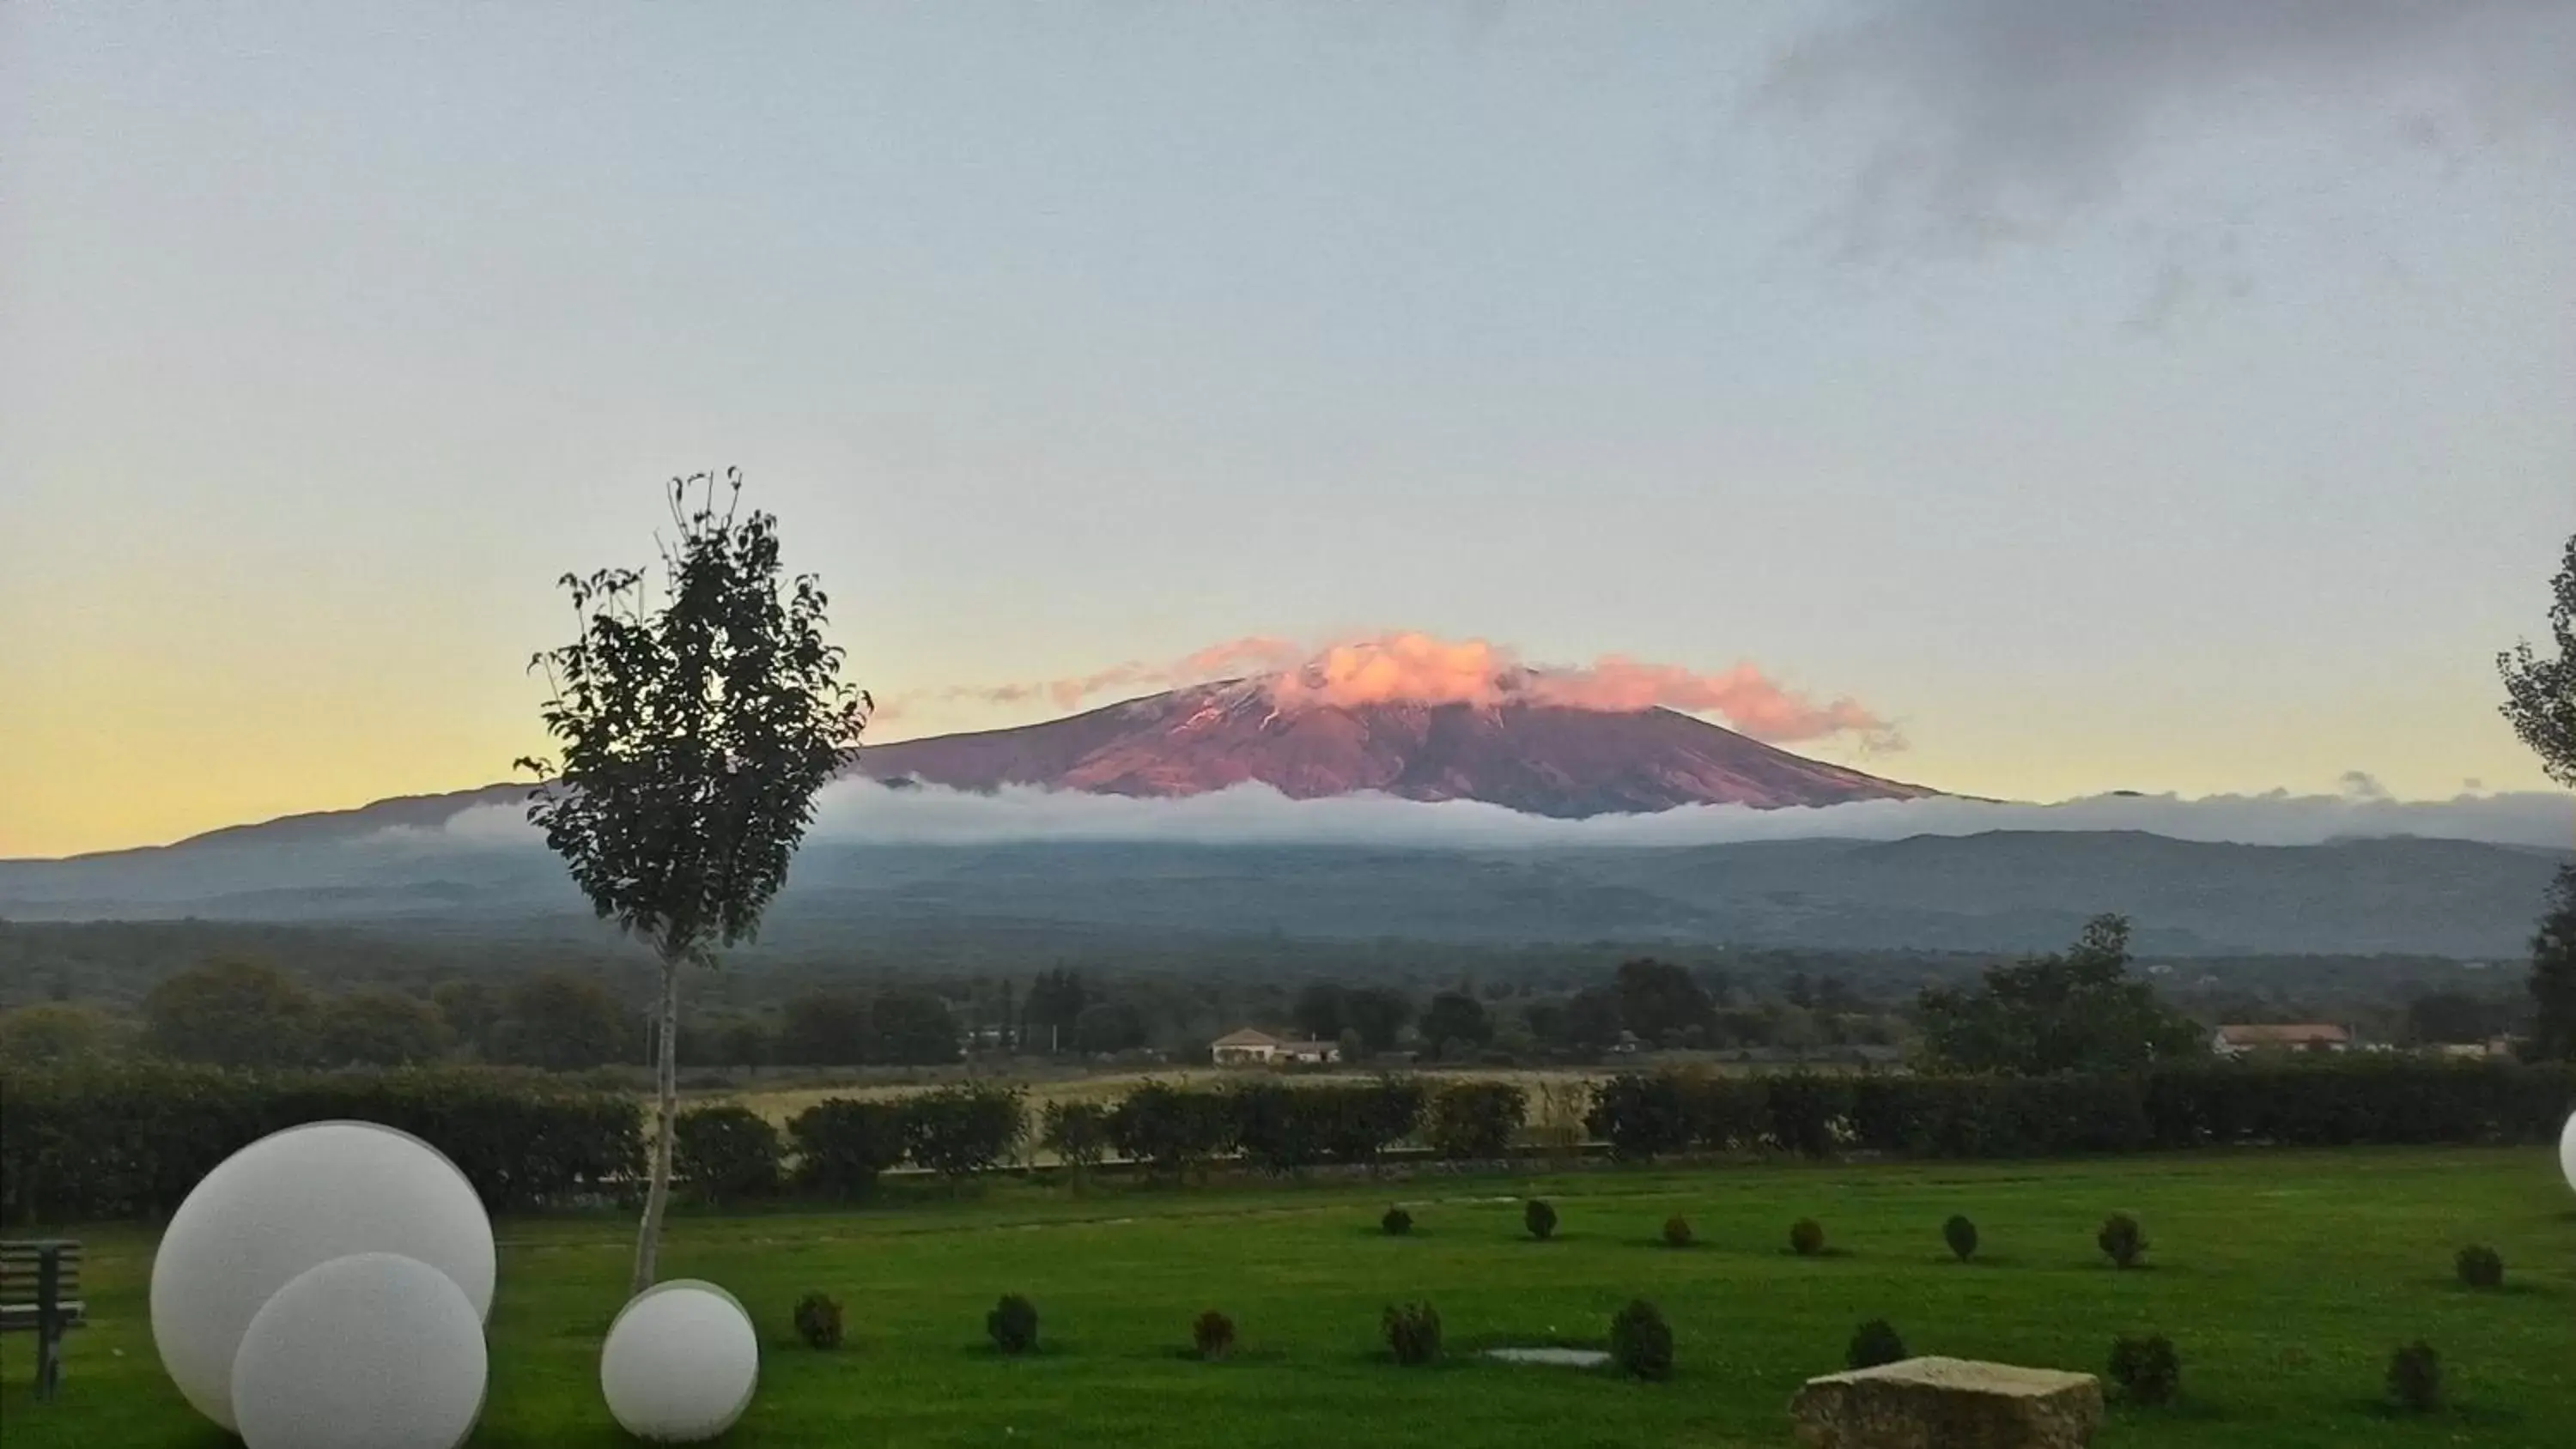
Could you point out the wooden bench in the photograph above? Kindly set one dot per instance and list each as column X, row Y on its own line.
column 40, row 1294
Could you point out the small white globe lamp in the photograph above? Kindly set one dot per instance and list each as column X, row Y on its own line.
column 295, row 1200
column 371, row 1351
column 680, row 1362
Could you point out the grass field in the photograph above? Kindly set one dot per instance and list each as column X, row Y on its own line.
column 2284, row 1279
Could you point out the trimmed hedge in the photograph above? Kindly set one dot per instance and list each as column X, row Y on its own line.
column 2327, row 1103
column 131, row 1140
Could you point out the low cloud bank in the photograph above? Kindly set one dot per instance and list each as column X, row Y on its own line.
column 864, row 812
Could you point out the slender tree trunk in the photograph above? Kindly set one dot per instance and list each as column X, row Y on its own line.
column 666, row 1105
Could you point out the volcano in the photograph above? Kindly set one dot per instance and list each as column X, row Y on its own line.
column 1536, row 758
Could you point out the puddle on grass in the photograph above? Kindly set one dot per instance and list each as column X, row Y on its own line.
column 1556, row 1357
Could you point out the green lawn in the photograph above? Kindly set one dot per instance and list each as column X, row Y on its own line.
column 2283, row 1278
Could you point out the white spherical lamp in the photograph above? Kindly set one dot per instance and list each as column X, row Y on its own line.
column 680, row 1362
column 295, row 1200
column 371, row 1351
column 2567, row 1150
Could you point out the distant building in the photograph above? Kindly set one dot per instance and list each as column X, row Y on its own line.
column 2236, row 1041
column 1250, row 1048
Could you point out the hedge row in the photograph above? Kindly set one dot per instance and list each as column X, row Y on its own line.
column 2338, row 1103
column 131, row 1140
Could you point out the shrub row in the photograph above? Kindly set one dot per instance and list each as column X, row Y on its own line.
column 131, row 1140
column 2324, row 1104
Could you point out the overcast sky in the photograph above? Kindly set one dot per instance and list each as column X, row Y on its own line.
column 2098, row 395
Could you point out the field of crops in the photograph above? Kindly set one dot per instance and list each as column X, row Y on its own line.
column 2284, row 1279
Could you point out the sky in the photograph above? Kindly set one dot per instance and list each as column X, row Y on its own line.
column 2033, row 398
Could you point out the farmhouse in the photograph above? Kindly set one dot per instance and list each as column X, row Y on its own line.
column 2236, row 1041
column 1249, row 1048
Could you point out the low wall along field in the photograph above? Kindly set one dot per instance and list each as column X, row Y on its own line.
column 2283, row 1278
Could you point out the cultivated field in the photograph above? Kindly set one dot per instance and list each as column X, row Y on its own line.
column 2284, row 1279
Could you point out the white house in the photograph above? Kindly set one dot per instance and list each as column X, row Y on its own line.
column 1249, row 1048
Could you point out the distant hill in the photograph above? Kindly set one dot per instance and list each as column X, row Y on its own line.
column 2007, row 891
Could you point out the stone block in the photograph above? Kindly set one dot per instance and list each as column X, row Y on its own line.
column 1948, row 1403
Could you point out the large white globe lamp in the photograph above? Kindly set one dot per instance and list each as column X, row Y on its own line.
column 680, row 1363
column 371, row 1351
column 295, row 1200
column 2567, row 1150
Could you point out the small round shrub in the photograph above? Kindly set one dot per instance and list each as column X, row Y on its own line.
column 2146, row 1369
column 1677, row 1232
column 2415, row 1378
column 1641, row 1343
column 2480, row 1266
column 1213, row 1332
column 2121, row 1240
column 1806, row 1237
column 1961, row 1235
column 1397, row 1222
column 818, row 1320
column 1540, row 1219
column 1874, row 1343
column 1413, row 1333
column 1013, row 1323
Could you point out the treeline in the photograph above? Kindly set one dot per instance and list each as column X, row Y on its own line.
column 247, row 1014
column 2293, row 1102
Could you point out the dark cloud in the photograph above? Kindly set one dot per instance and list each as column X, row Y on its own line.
column 1987, row 121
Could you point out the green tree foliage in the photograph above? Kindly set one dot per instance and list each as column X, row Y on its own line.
column 1169, row 1129
column 2415, row 1378
column 823, row 1029
column 1455, row 1019
column 1378, row 1014
column 1961, row 1235
column 1593, row 1018
column 1641, row 1116
column 1641, row 1342
column 2121, row 1240
column 1412, row 1333
column 2147, row 1369
column 693, row 736
column 2069, row 1012
column 472, row 1011
column 1107, row 1026
column 56, row 1033
column 1055, row 1002
column 1319, row 1011
column 1476, row 1121
column 962, row 1129
column 131, row 1139
column 911, row 1028
column 379, row 1027
column 1538, row 1219
column 1013, row 1324
column 231, row 1013
column 1076, row 1132
column 1659, row 1001
column 564, row 1022
column 2540, row 692
column 728, row 1152
column 843, row 1146
column 1873, row 1343
column 2452, row 1016
column 2553, row 974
